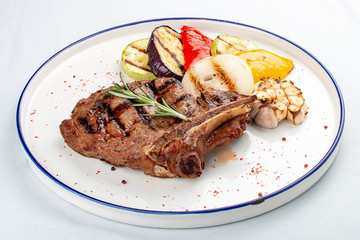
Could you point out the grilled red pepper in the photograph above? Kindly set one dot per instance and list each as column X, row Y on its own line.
column 196, row 45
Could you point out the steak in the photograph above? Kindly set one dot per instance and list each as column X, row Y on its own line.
column 110, row 128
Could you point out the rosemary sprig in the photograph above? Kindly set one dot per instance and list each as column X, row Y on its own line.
column 164, row 109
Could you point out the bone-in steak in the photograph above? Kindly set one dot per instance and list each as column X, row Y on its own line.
column 110, row 128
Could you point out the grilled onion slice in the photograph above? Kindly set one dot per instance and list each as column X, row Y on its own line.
column 222, row 72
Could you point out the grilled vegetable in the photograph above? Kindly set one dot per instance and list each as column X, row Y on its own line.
column 230, row 44
column 135, row 60
column 196, row 45
column 222, row 72
column 166, row 55
column 265, row 64
column 277, row 100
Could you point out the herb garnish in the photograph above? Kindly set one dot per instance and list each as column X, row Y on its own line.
column 164, row 109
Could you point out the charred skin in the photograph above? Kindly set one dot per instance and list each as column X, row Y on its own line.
column 111, row 129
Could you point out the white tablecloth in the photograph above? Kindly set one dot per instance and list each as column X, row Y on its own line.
column 32, row 31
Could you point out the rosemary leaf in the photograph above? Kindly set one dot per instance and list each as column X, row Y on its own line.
column 164, row 109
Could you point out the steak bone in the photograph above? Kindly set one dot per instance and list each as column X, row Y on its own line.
column 181, row 151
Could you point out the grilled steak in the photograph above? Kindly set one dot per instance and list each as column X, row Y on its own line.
column 110, row 128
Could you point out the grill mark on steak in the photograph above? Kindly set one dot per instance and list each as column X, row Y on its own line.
column 152, row 87
column 114, row 129
column 126, row 116
column 168, row 86
column 145, row 118
column 163, row 87
column 172, row 92
column 109, row 111
column 85, row 123
column 183, row 97
column 101, row 105
column 121, row 108
column 119, row 124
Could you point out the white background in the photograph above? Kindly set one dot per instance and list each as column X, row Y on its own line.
column 32, row 31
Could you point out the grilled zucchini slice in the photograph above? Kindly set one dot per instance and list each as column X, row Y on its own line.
column 135, row 60
column 226, row 44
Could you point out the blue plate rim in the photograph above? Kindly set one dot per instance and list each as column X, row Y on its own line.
column 206, row 211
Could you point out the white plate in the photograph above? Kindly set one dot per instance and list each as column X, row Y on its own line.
column 229, row 189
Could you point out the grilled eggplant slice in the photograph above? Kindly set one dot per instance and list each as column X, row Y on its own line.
column 166, row 54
